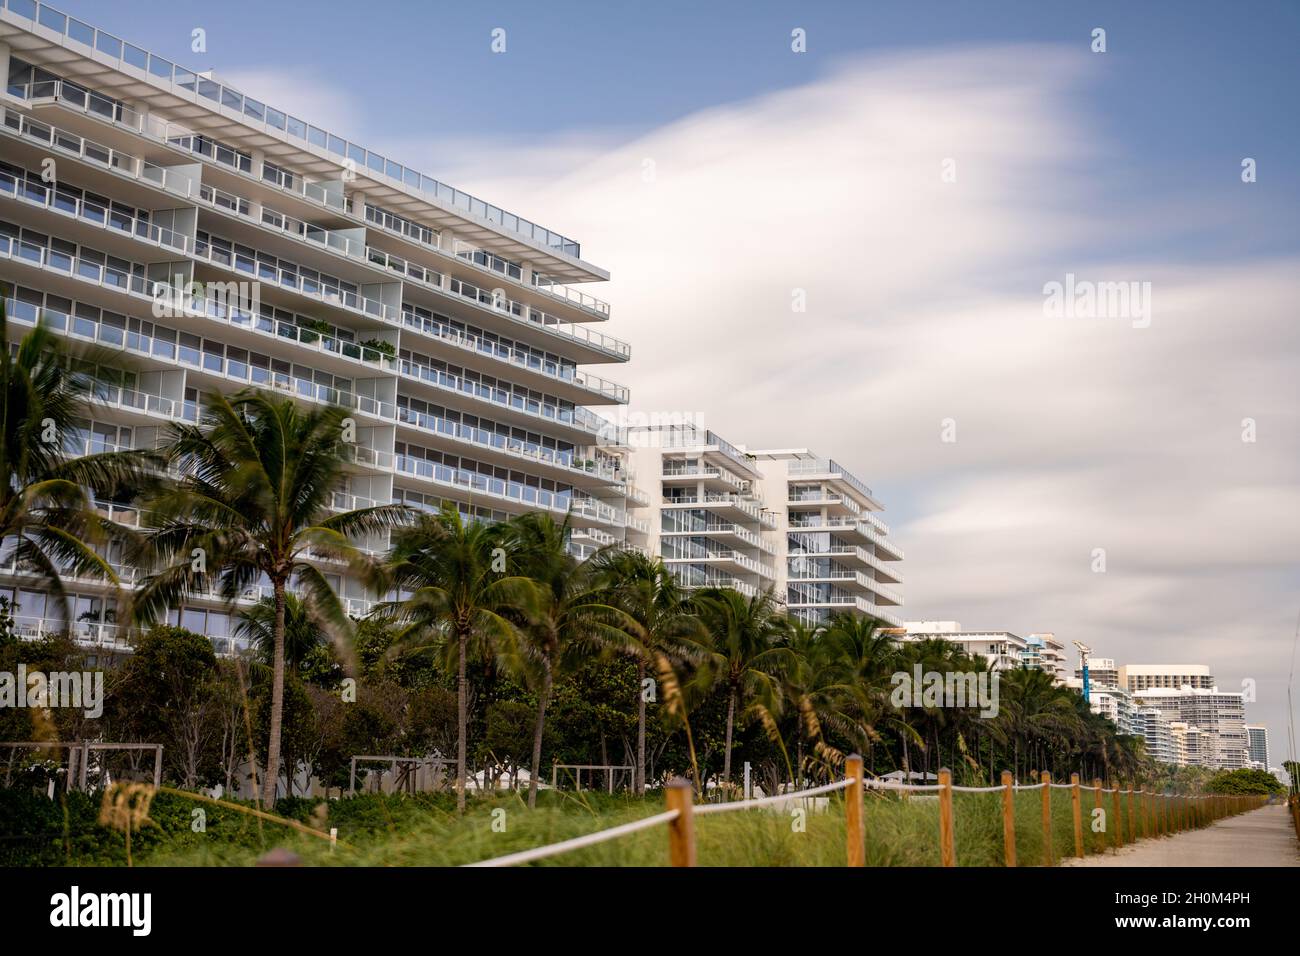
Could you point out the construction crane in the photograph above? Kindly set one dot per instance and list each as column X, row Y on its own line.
column 1084, row 651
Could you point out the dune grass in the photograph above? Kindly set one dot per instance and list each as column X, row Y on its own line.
column 425, row 830
column 900, row 832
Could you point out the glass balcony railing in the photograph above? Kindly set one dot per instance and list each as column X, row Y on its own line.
column 577, row 416
column 107, row 276
column 292, row 279
column 70, row 204
column 225, row 100
column 819, row 466
column 504, row 444
column 182, row 185
column 522, row 358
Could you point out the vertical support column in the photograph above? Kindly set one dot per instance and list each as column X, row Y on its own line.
column 1008, row 818
column 157, row 767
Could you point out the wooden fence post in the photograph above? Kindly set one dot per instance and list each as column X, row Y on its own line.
column 1008, row 818
column 1076, row 807
column 1047, row 819
column 1132, row 820
column 857, row 851
column 1097, row 805
column 947, row 852
column 1118, row 823
column 681, row 830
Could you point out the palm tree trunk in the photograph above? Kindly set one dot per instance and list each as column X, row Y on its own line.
column 640, row 728
column 462, row 713
column 726, row 759
column 277, row 700
column 542, row 700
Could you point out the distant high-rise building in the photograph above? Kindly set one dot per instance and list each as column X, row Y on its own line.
column 1102, row 672
column 1218, row 717
column 1153, row 725
column 1258, row 745
column 1140, row 677
column 1045, row 653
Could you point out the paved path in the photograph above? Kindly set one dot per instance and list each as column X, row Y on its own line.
column 1263, row 837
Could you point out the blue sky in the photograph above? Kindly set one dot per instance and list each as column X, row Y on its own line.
column 1190, row 87
column 819, row 172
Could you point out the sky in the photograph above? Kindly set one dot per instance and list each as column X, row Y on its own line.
column 917, row 177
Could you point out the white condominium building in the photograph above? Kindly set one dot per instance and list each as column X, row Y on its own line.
column 206, row 240
column 1003, row 650
column 1118, row 707
column 787, row 521
column 836, row 554
column 1140, row 677
column 1045, row 653
column 708, row 520
column 1154, row 727
column 1218, row 717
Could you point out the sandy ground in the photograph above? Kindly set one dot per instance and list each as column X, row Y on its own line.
column 1263, row 837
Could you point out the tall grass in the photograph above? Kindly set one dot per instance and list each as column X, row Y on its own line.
column 425, row 830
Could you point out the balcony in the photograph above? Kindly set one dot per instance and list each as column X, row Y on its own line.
column 291, row 280
column 331, row 240
column 826, row 468
column 713, row 479
column 566, row 463
column 727, row 560
column 733, row 506
column 108, row 278
column 65, row 203
column 577, row 418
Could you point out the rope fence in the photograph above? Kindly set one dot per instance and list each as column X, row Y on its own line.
column 1132, row 815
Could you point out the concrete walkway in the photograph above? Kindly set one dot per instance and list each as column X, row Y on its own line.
column 1263, row 837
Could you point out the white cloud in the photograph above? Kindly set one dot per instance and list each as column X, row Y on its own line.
column 924, row 303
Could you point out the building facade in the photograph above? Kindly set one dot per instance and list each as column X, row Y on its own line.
column 707, row 518
column 1002, row 650
column 1140, row 677
column 1102, row 672
column 204, row 240
column 1258, row 735
column 835, row 553
column 786, row 521
column 1217, row 717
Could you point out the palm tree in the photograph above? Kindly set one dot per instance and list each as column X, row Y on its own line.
column 453, row 586
column 666, row 625
column 48, row 521
column 302, row 631
column 571, row 617
column 862, row 656
column 741, row 656
column 255, row 502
